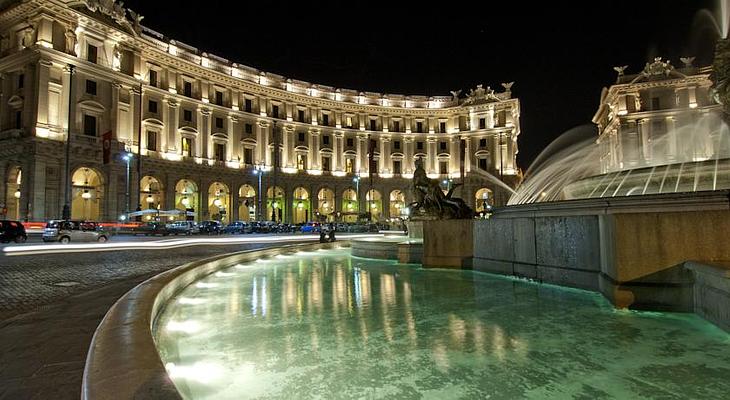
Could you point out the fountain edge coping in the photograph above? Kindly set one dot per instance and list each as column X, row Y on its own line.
column 123, row 361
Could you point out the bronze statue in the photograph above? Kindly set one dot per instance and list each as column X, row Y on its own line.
column 431, row 202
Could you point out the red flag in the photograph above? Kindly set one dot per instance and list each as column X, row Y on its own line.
column 106, row 142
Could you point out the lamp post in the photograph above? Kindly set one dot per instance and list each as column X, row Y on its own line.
column 128, row 158
column 259, row 171
column 66, row 212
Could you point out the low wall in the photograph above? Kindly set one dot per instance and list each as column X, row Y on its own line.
column 448, row 243
column 711, row 297
column 630, row 249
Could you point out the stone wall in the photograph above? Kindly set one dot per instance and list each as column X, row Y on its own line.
column 448, row 243
column 563, row 250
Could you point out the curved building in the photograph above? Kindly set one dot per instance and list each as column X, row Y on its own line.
column 156, row 124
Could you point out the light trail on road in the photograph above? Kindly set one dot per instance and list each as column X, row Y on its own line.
column 161, row 244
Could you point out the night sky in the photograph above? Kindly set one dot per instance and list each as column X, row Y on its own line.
column 559, row 56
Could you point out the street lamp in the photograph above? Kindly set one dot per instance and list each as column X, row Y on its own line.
column 128, row 158
column 259, row 171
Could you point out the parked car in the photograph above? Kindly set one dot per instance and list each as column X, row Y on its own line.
column 238, row 227
column 311, row 227
column 152, row 228
column 182, row 228
column 12, row 231
column 210, row 227
column 66, row 231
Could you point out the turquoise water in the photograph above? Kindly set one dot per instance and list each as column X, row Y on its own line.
column 327, row 325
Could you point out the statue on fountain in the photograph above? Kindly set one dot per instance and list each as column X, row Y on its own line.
column 431, row 202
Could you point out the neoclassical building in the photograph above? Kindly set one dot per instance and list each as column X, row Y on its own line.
column 659, row 131
column 84, row 85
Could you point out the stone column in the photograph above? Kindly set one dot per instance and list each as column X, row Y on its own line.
column 64, row 110
column 407, row 155
column 235, row 199
column 645, row 150
column 361, row 149
column 233, row 149
column 114, row 114
column 338, row 162
column 671, row 137
column 262, row 141
column 454, row 151
column 173, row 139
column 467, row 155
column 203, row 140
column 314, row 161
column 431, row 155
column 384, row 156
column 285, row 145
column 44, row 73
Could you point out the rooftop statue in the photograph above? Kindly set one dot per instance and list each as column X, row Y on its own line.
column 431, row 202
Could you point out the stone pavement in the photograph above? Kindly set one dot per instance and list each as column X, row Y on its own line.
column 51, row 305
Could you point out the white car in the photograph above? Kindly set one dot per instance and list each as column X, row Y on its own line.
column 73, row 231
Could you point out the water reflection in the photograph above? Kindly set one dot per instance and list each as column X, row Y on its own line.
column 326, row 325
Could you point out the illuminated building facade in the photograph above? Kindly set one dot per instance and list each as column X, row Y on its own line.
column 223, row 140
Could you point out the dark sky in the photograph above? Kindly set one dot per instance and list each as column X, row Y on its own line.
column 560, row 56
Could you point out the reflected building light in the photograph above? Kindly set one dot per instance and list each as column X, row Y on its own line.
column 478, row 334
column 203, row 372
column 457, row 329
column 264, row 297
column 191, row 300
column 358, row 289
column 440, row 356
column 254, row 298
column 183, row 326
column 498, row 343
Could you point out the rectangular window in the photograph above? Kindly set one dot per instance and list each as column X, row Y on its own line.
column 248, row 128
column 90, row 87
column 151, row 141
column 396, row 126
column 483, row 164
column 348, row 122
column 91, row 53
column 89, row 125
column 218, row 98
column 325, row 164
column 152, row 106
column 300, row 115
column 188, row 88
column 153, row 78
column 443, row 167
column 482, row 123
column 220, row 152
column 350, row 142
column 396, row 167
column 442, row 127
column 187, row 147
column 419, row 145
column 187, row 116
column 442, row 146
column 348, row 165
column 482, row 143
column 248, row 105
column 655, row 103
column 301, row 162
column 18, row 119
column 396, row 145
column 325, row 140
column 21, row 81
column 419, row 126
column 248, row 156
column 325, row 119
column 275, row 111
column 219, row 123
column 373, row 125
column 300, row 137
